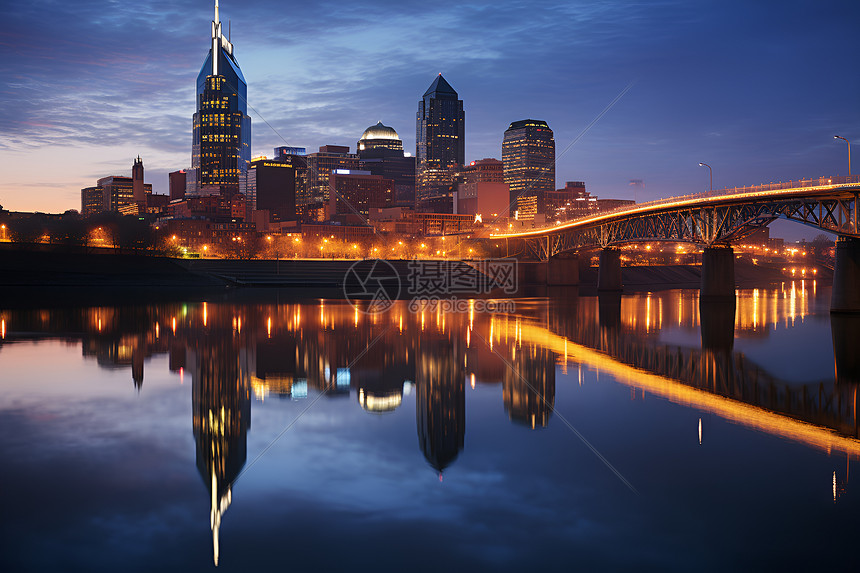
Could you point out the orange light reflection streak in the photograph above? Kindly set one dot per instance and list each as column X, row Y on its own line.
column 731, row 410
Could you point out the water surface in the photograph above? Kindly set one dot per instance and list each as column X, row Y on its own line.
column 601, row 434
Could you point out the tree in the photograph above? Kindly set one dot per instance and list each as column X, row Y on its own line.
column 133, row 233
column 28, row 230
column 820, row 245
column 70, row 230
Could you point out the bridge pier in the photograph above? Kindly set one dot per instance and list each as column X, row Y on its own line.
column 562, row 272
column 846, row 276
column 718, row 274
column 609, row 272
column 846, row 332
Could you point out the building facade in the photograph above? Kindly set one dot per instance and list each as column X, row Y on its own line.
column 528, row 154
column 92, row 201
column 569, row 202
column 358, row 192
column 481, row 190
column 440, row 137
column 274, row 185
column 177, row 181
column 221, row 144
column 320, row 166
column 118, row 193
column 380, row 151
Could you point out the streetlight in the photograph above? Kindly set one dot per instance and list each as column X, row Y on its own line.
column 849, row 151
column 711, row 171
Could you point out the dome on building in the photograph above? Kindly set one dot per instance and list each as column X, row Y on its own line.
column 379, row 131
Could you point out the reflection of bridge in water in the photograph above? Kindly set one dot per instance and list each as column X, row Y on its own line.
column 712, row 378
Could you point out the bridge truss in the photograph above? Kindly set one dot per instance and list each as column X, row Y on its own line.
column 710, row 221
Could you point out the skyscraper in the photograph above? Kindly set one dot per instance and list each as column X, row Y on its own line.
column 221, row 147
column 440, row 137
column 528, row 154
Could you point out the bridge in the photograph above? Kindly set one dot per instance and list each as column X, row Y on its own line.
column 714, row 220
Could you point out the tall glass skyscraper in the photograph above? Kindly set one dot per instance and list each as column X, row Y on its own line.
column 221, row 147
column 528, row 154
column 440, row 138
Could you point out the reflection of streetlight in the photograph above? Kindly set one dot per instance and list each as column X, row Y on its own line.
column 849, row 151
column 711, row 171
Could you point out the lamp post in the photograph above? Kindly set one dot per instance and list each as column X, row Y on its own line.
column 849, row 151
column 711, row 171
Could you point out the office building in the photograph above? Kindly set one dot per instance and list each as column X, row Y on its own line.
column 569, row 202
column 117, row 193
column 177, row 183
column 440, row 137
column 320, row 166
column 92, row 201
column 221, row 144
column 528, row 154
column 355, row 193
column 380, row 151
column 274, row 185
column 481, row 190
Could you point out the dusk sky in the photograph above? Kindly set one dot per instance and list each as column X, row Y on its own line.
column 755, row 89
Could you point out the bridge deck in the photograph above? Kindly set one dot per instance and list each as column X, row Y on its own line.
column 830, row 187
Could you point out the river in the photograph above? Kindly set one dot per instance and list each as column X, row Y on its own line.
column 258, row 432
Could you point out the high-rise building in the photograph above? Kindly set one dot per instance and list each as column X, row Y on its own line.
column 320, row 166
column 528, row 154
column 221, row 147
column 440, row 137
column 273, row 186
column 381, row 152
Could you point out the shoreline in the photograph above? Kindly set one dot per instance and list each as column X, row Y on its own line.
column 53, row 273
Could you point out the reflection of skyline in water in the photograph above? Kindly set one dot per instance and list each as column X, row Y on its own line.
column 235, row 353
column 232, row 355
column 288, row 350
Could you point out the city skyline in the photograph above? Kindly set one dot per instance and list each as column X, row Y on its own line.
column 728, row 84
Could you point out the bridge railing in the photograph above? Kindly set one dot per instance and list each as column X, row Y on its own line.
column 728, row 191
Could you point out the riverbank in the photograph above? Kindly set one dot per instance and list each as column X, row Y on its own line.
column 127, row 273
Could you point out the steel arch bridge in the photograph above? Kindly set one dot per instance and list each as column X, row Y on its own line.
column 709, row 219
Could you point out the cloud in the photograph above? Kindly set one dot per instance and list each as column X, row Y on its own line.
column 120, row 75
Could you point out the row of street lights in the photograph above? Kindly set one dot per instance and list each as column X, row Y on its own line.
column 711, row 171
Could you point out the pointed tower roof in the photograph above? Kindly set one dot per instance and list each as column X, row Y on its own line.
column 440, row 89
